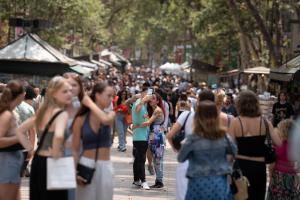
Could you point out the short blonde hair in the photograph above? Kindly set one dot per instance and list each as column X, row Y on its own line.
column 284, row 127
column 219, row 98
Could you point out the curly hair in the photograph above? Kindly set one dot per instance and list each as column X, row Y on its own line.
column 247, row 104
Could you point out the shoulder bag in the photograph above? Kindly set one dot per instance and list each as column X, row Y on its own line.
column 61, row 171
column 239, row 183
column 177, row 138
column 86, row 173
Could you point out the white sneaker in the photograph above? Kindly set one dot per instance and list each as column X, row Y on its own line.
column 145, row 186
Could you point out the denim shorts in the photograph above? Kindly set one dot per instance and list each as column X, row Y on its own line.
column 11, row 163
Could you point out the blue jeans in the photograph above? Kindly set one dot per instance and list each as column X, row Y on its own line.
column 159, row 168
column 121, row 129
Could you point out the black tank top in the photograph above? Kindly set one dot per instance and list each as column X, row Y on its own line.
column 252, row 146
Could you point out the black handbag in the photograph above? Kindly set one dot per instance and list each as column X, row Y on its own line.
column 269, row 151
column 87, row 173
column 177, row 138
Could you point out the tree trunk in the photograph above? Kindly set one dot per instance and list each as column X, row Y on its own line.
column 274, row 53
column 245, row 56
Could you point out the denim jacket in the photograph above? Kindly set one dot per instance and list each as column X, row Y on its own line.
column 207, row 157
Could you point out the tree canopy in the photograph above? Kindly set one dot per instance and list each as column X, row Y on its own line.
column 227, row 33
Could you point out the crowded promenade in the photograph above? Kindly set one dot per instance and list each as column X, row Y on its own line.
column 145, row 134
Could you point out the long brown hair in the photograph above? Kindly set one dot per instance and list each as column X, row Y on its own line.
column 54, row 85
column 207, row 122
column 159, row 104
column 99, row 87
column 76, row 78
column 12, row 90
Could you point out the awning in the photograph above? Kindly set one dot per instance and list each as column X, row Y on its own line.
column 281, row 77
column 283, row 73
column 82, row 70
column 257, row 70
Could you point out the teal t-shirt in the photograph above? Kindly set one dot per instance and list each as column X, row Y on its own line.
column 139, row 134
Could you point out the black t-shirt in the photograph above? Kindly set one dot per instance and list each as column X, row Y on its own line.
column 281, row 112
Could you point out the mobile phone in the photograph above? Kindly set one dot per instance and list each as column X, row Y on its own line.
column 150, row 91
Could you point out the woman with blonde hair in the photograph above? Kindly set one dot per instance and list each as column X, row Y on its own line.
column 219, row 99
column 207, row 149
column 11, row 157
column 284, row 182
column 58, row 97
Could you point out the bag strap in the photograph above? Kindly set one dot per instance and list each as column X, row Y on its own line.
column 46, row 130
column 97, row 146
column 241, row 126
column 187, row 117
column 229, row 145
column 268, row 136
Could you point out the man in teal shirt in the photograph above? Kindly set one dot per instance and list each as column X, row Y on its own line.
column 140, row 139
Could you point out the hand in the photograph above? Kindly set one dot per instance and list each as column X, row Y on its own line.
column 111, row 114
column 80, row 181
column 55, row 154
column 147, row 98
column 30, row 155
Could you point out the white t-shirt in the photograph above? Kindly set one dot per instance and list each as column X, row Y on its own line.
column 189, row 122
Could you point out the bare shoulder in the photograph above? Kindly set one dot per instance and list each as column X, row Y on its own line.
column 6, row 116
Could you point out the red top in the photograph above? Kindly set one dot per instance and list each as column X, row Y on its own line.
column 121, row 108
column 283, row 164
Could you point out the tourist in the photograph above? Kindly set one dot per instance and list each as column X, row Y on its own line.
column 77, row 95
column 58, row 97
column 121, row 109
column 156, row 138
column 92, row 129
column 183, row 104
column 284, row 182
column 26, row 110
column 228, row 106
column 11, row 157
column 282, row 109
column 249, row 131
column 185, row 122
column 140, row 138
column 207, row 149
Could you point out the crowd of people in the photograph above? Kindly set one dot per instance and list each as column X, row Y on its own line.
column 219, row 133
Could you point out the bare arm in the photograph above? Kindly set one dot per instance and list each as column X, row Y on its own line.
column 174, row 130
column 76, row 130
column 22, row 133
column 59, row 132
column 104, row 118
column 274, row 136
column 5, row 121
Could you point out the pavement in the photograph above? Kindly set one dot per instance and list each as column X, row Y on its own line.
column 123, row 189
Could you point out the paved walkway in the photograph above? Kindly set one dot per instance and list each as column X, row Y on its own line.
column 123, row 177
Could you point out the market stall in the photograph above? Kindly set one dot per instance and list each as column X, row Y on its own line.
column 229, row 79
column 255, row 79
column 32, row 56
column 287, row 78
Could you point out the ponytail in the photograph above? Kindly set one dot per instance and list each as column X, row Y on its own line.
column 5, row 100
column 12, row 90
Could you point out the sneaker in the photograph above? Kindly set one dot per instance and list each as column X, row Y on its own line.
column 150, row 169
column 157, row 185
column 137, row 183
column 145, row 186
column 122, row 150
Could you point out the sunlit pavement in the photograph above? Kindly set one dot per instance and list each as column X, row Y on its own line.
column 123, row 189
